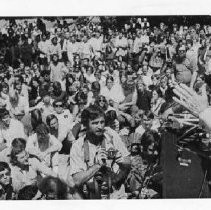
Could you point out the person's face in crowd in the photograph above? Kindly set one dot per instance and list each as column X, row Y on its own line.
column 54, row 124
column 58, row 107
column 98, row 75
column 134, row 150
column 120, row 35
column 54, row 41
column 123, row 79
column 133, row 36
column 44, row 38
column 110, row 84
column 5, row 90
column 22, row 66
column 111, row 69
column 97, row 126
column 35, row 83
column 207, row 42
column 198, row 26
column 163, row 83
column 145, row 69
column 5, row 177
column 140, row 86
column 73, row 39
column 189, row 45
column 151, row 150
column 138, row 117
column 85, row 39
column 27, row 70
column 147, row 123
column 89, row 71
column 161, row 26
column 47, row 100
column 55, row 58
column 22, row 157
column 192, row 31
column 86, row 62
column 155, row 95
column 129, row 68
column 168, row 73
column 67, row 35
column 139, row 34
column 182, row 53
column 18, row 85
column 123, row 66
column 35, row 67
column 102, row 101
column 97, row 34
column 77, row 59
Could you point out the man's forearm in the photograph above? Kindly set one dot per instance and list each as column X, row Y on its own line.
column 84, row 176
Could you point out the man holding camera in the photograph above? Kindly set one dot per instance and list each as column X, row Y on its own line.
column 99, row 160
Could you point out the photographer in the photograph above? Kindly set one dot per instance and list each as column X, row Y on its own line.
column 90, row 159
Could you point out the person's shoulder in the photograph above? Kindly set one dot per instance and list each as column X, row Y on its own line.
column 15, row 122
column 111, row 133
column 78, row 145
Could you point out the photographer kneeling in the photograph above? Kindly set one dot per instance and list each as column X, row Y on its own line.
column 99, row 161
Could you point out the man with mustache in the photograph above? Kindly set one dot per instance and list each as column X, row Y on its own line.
column 89, row 157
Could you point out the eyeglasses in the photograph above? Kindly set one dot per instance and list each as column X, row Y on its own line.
column 102, row 100
column 58, row 105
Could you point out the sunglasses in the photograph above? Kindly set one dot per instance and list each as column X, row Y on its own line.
column 58, row 105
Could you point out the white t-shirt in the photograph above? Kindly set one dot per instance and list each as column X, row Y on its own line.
column 65, row 119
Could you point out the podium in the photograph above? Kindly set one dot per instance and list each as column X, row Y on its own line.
column 182, row 181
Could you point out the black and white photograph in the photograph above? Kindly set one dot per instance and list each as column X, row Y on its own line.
column 105, row 107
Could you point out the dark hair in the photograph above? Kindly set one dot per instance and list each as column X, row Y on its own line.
column 91, row 113
column 36, row 118
column 95, row 86
column 49, row 118
column 18, row 145
column 148, row 138
column 44, row 72
column 57, row 88
column 42, row 132
column 3, row 112
column 109, row 78
column 27, row 192
column 20, row 78
column 136, row 144
column 57, row 101
column 110, row 116
column 3, row 166
column 51, row 184
column 42, row 129
column 158, row 91
column 80, row 97
column 97, row 102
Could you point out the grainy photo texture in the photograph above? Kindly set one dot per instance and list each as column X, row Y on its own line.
column 105, row 107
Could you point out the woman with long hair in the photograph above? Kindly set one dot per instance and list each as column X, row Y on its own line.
column 44, row 146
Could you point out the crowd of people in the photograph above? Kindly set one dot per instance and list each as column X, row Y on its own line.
column 82, row 105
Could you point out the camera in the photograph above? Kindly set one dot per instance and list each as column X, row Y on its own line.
column 111, row 153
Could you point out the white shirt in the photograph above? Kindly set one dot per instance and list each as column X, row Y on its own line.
column 15, row 130
column 65, row 119
column 115, row 93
